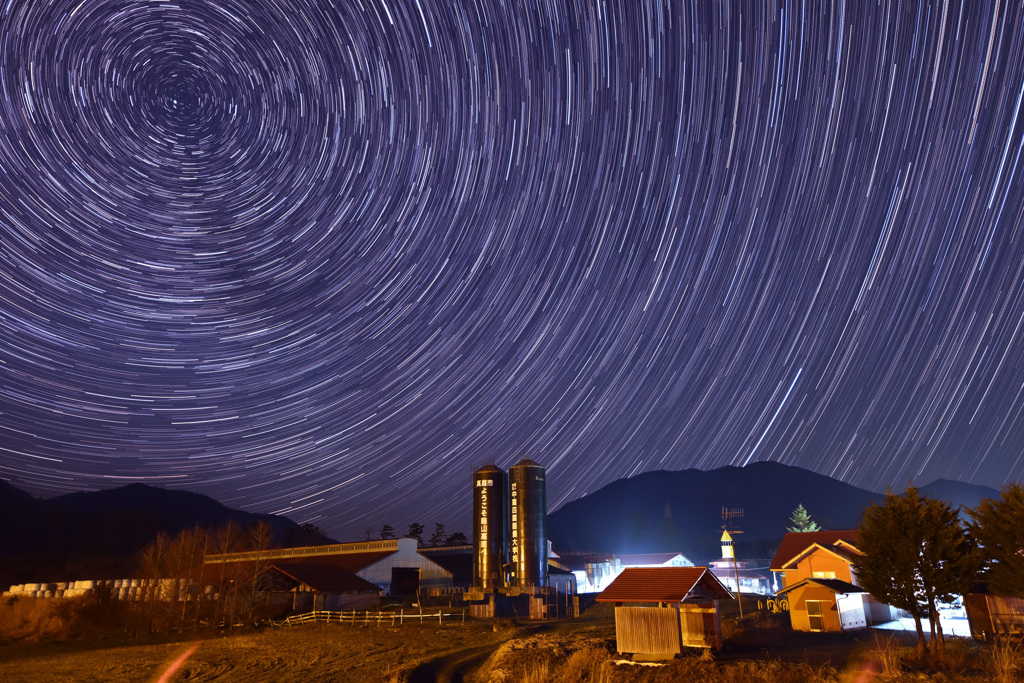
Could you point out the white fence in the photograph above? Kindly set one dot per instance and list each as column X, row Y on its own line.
column 368, row 617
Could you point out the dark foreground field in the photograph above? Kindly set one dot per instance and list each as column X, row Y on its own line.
column 759, row 649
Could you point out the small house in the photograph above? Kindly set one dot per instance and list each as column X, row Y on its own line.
column 661, row 610
column 820, row 585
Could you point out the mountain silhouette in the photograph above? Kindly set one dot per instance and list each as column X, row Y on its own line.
column 683, row 510
column 60, row 538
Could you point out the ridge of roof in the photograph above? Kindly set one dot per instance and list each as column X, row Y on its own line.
column 796, row 542
column 660, row 584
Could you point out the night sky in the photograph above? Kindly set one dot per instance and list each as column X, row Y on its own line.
column 325, row 258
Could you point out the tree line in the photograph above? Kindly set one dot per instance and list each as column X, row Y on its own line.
column 437, row 539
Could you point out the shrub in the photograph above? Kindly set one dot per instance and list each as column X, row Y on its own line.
column 589, row 665
column 1006, row 659
column 35, row 619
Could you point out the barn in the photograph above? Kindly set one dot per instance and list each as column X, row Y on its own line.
column 312, row 586
column 661, row 610
column 393, row 565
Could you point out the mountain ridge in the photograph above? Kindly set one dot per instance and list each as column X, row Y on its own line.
column 60, row 538
column 682, row 510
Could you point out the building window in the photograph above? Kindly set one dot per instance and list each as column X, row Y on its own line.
column 823, row 575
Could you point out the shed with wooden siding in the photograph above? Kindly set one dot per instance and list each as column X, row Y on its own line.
column 661, row 610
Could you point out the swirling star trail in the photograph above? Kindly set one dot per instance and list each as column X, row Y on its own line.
column 324, row 257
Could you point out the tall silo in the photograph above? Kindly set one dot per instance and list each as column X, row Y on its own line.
column 489, row 538
column 528, row 524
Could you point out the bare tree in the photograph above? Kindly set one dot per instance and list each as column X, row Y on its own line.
column 261, row 538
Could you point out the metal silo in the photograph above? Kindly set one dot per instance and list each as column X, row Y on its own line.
column 489, row 538
column 528, row 508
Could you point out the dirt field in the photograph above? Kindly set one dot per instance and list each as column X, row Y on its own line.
column 309, row 652
column 474, row 651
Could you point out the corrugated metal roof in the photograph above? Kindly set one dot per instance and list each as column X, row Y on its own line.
column 326, row 578
column 350, row 562
column 794, row 544
column 661, row 584
column 647, row 558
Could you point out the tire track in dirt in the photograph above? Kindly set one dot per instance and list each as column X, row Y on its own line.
column 453, row 667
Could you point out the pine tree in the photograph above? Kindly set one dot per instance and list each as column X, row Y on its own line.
column 416, row 531
column 801, row 521
column 387, row 533
column 916, row 554
column 438, row 537
column 998, row 528
column 458, row 538
column 949, row 563
column 890, row 538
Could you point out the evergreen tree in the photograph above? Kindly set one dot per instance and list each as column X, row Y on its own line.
column 438, row 537
column 949, row 563
column 387, row 532
column 415, row 531
column 889, row 536
column 916, row 553
column 998, row 528
column 801, row 522
column 458, row 538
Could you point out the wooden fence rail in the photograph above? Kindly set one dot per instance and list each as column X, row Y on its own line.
column 368, row 617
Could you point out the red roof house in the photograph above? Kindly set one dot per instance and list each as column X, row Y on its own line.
column 669, row 608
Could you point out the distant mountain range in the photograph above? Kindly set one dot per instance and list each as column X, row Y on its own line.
column 682, row 511
column 102, row 531
column 89, row 535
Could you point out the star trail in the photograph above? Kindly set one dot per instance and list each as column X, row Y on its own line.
column 325, row 257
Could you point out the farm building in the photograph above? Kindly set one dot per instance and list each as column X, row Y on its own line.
column 661, row 610
column 819, row 583
column 394, row 565
column 654, row 560
column 990, row 615
column 594, row 573
column 311, row 586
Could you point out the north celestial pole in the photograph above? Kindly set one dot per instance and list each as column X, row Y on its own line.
column 324, row 258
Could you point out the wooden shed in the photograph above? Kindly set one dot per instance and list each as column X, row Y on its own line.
column 661, row 610
column 992, row 615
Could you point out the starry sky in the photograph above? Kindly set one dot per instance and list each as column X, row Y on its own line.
column 324, row 258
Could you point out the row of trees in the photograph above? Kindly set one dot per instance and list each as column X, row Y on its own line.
column 172, row 568
column 919, row 553
column 437, row 539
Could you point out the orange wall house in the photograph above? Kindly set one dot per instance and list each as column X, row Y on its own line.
column 820, row 585
column 816, row 555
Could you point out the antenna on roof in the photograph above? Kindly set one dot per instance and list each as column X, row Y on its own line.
column 728, row 515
